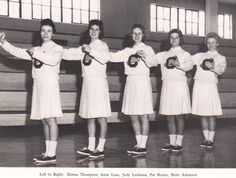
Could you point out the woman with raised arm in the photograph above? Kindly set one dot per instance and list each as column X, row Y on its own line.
column 94, row 101
column 46, row 103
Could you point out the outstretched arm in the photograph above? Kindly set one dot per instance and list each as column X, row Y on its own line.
column 73, row 54
column 51, row 58
column 150, row 58
column 15, row 51
column 105, row 55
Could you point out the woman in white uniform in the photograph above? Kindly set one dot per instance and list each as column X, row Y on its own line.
column 175, row 99
column 206, row 100
column 137, row 99
column 94, row 101
column 46, row 104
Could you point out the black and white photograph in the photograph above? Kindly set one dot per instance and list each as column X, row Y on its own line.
column 117, row 88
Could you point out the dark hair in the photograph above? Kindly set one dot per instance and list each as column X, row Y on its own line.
column 99, row 24
column 48, row 22
column 140, row 26
column 179, row 33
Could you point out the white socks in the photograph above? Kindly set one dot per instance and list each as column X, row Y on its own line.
column 176, row 139
column 52, row 148
column 172, row 139
column 141, row 140
column 179, row 140
column 47, row 147
column 138, row 140
column 209, row 135
column 206, row 134
column 91, row 143
column 101, row 144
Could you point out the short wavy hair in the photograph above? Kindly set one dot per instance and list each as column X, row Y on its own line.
column 48, row 22
column 99, row 23
column 179, row 33
column 140, row 26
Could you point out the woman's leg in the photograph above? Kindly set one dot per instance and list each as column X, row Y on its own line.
column 91, row 133
column 172, row 129
column 46, row 136
column 205, row 127
column 137, row 128
column 180, row 129
column 53, row 128
column 91, row 126
column 212, row 127
column 145, row 130
column 103, row 133
column 53, row 135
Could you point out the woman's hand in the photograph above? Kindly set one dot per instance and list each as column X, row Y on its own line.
column 30, row 51
column 142, row 54
column 210, row 65
column 86, row 48
column 175, row 63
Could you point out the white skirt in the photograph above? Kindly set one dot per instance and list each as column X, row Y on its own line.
column 175, row 98
column 137, row 98
column 46, row 101
column 206, row 99
column 95, row 99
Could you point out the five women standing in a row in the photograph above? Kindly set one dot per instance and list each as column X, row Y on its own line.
column 137, row 99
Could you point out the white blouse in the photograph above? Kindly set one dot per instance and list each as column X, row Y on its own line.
column 97, row 68
column 207, row 75
column 123, row 56
column 50, row 54
column 184, row 59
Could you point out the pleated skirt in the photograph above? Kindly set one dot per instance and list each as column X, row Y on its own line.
column 137, row 99
column 206, row 99
column 46, row 101
column 95, row 99
column 175, row 98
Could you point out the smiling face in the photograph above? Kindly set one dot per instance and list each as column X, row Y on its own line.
column 212, row 44
column 137, row 35
column 174, row 40
column 94, row 32
column 46, row 33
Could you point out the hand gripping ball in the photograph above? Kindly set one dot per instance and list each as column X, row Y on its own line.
column 204, row 66
column 133, row 60
column 169, row 61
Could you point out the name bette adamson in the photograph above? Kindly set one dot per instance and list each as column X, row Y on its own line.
column 183, row 174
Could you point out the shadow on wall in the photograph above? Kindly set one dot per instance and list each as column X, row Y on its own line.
column 36, row 39
column 84, row 38
column 165, row 45
column 128, row 41
column 202, row 47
